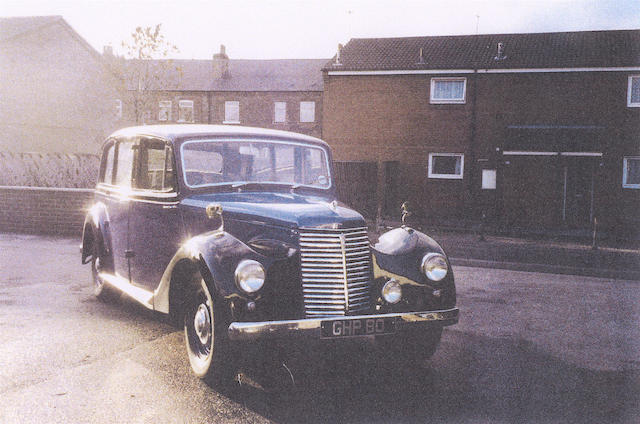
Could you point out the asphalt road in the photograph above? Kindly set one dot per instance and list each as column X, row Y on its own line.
column 529, row 347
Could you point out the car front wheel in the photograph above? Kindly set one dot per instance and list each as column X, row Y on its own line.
column 206, row 338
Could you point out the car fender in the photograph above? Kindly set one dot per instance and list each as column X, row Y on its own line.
column 215, row 255
column 96, row 230
column 398, row 255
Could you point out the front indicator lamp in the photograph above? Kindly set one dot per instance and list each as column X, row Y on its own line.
column 392, row 291
column 250, row 276
column 434, row 266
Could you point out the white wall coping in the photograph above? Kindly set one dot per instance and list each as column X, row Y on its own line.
column 62, row 189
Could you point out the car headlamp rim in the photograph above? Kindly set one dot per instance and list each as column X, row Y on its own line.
column 434, row 266
column 249, row 276
column 392, row 291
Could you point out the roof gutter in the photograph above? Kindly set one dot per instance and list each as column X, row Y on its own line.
column 484, row 71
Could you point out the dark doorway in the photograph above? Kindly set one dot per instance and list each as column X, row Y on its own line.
column 578, row 190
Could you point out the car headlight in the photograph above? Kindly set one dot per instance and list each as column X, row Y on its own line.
column 392, row 291
column 250, row 276
column 434, row 266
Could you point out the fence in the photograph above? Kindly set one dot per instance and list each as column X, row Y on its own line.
column 48, row 170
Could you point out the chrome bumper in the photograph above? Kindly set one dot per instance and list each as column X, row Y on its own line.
column 311, row 327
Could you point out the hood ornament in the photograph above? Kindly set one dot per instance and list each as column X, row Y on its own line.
column 405, row 212
column 334, row 206
column 214, row 211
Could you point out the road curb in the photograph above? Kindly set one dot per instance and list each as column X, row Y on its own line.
column 549, row 269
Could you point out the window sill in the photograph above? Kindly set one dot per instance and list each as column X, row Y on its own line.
column 446, row 176
column 230, row 122
column 447, row 102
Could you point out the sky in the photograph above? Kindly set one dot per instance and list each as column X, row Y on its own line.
column 282, row 29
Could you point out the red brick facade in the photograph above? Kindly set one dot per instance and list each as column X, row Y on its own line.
column 579, row 120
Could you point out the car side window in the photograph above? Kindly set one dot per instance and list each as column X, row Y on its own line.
column 155, row 169
column 106, row 171
column 124, row 163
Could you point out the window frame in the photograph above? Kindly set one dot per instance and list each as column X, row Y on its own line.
column 625, row 165
column 436, row 101
column 169, row 159
column 231, row 121
column 163, row 104
column 275, row 113
column 631, row 79
column 431, row 174
column 311, row 102
column 181, row 105
column 110, row 146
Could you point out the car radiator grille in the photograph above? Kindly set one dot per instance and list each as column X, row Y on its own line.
column 336, row 271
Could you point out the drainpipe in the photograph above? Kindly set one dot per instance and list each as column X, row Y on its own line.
column 472, row 146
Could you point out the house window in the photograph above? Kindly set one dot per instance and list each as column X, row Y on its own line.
column 118, row 111
column 446, row 165
column 280, row 112
column 307, row 111
column 164, row 110
column 185, row 111
column 631, row 172
column 633, row 95
column 448, row 90
column 231, row 112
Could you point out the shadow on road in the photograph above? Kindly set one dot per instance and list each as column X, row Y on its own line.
column 491, row 380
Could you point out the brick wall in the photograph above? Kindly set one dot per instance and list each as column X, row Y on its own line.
column 39, row 210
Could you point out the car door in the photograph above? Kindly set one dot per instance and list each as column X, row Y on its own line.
column 155, row 226
column 113, row 186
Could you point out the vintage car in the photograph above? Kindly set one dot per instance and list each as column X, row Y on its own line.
column 236, row 234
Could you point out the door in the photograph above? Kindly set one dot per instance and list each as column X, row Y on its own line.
column 155, row 225
column 112, row 191
column 578, row 191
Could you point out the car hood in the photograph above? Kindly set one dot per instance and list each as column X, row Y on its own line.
column 281, row 209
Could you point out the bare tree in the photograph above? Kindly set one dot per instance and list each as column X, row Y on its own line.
column 147, row 69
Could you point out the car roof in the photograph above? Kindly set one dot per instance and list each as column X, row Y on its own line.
column 179, row 132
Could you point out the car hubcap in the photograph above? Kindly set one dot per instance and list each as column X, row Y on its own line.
column 96, row 272
column 202, row 323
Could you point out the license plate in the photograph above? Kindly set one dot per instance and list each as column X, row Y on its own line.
column 358, row 327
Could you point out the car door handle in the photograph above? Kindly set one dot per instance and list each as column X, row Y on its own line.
column 129, row 254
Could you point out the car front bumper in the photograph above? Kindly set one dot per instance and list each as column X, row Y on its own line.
column 312, row 327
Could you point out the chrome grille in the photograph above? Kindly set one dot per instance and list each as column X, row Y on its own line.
column 336, row 271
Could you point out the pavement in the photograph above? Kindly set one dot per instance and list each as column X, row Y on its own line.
column 551, row 256
column 611, row 258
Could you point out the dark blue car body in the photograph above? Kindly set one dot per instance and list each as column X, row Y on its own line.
column 160, row 234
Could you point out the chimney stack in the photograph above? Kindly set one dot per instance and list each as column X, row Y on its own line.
column 221, row 64
column 107, row 51
column 500, row 55
column 421, row 56
column 337, row 61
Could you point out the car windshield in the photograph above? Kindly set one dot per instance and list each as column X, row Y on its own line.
column 216, row 162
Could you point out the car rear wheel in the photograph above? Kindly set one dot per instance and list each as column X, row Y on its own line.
column 208, row 346
column 101, row 290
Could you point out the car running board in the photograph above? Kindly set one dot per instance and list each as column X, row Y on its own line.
column 139, row 294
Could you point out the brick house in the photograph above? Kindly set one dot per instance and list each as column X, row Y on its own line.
column 535, row 131
column 279, row 94
column 57, row 93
